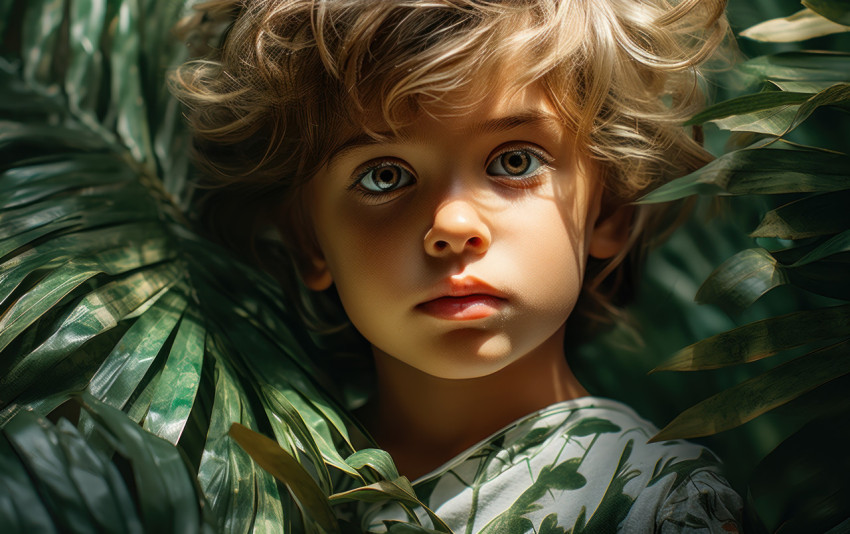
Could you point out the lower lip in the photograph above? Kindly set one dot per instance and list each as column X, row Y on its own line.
column 464, row 308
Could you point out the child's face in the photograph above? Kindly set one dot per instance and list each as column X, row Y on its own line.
column 460, row 246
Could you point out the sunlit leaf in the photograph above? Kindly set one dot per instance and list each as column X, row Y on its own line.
column 285, row 468
column 836, row 95
column 100, row 310
column 295, row 425
column 804, row 67
column 102, row 247
column 805, row 24
column 803, row 87
column 761, row 339
column 378, row 461
column 782, row 119
column 751, row 398
column 179, row 382
column 85, row 68
column 797, row 220
column 129, row 361
column 131, row 122
column 398, row 490
column 748, row 104
column 237, row 489
column 760, row 171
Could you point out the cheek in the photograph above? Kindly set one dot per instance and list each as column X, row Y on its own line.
column 553, row 252
column 370, row 258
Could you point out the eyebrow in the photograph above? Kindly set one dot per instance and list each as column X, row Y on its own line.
column 490, row 126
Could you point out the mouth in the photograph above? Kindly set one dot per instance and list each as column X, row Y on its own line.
column 463, row 299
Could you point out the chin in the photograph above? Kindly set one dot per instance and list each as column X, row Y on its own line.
column 468, row 365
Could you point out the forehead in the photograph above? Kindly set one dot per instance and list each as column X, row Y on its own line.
column 502, row 108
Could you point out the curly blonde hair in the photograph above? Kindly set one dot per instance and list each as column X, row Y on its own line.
column 293, row 79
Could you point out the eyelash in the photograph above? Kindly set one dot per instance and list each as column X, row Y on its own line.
column 375, row 196
column 521, row 182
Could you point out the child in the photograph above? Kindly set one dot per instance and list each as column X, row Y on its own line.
column 458, row 173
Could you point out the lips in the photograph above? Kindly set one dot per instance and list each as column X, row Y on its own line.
column 463, row 299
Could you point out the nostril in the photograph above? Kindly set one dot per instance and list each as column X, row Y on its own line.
column 474, row 242
column 440, row 245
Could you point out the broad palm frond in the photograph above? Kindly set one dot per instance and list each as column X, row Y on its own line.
column 105, row 290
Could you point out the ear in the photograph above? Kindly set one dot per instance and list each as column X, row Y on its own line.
column 316, row 275
column 611, row 232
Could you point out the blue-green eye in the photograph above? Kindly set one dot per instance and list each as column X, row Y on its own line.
column 385, row 177
column 514, row 163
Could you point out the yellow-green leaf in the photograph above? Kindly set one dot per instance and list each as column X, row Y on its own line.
column 805, row 24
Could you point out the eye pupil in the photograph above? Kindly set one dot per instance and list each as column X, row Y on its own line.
column 516, row 163
column 387, row 177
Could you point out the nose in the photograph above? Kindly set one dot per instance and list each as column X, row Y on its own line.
column 457, row 228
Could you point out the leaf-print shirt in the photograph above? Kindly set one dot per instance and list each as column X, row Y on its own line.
column 579, row 466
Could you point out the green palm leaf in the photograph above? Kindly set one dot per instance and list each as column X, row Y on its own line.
column 804, row 246
column 105, row 289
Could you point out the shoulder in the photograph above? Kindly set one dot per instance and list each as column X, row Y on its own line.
column 670, row 486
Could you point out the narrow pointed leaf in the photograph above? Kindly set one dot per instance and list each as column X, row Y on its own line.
column 127, row 364
column 22, row 509
column 805, row 24
column 760, row 171
column 85, row 68
column 238, row 490
column 377, row 460
column 178, row 384
column 40, row 28
column 742, row 279
column 167, row 498
column 285, row 468
column 771, row 389
column 38, row 446
column 132, row 123
column 398, row 490
column 834, row 245
column 808, row 66
column 837, row 95
column 774, row 115
column 99, row 311
column 99, row 482
column 796, row 221
column 835, row 10
column 804, row 86
column 100, row 244
column 773, row 121
column 761, row 339
column 749, row 104
column 295, row 425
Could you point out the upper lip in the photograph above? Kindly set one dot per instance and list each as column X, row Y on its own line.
column 463, row 287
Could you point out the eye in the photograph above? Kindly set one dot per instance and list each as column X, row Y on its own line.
column 517, row 162
column 384, row 178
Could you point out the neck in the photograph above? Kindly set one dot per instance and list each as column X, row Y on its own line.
column 424, row 421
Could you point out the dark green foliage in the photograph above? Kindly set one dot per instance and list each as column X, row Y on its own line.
column 108, row 298
column 806, row 239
